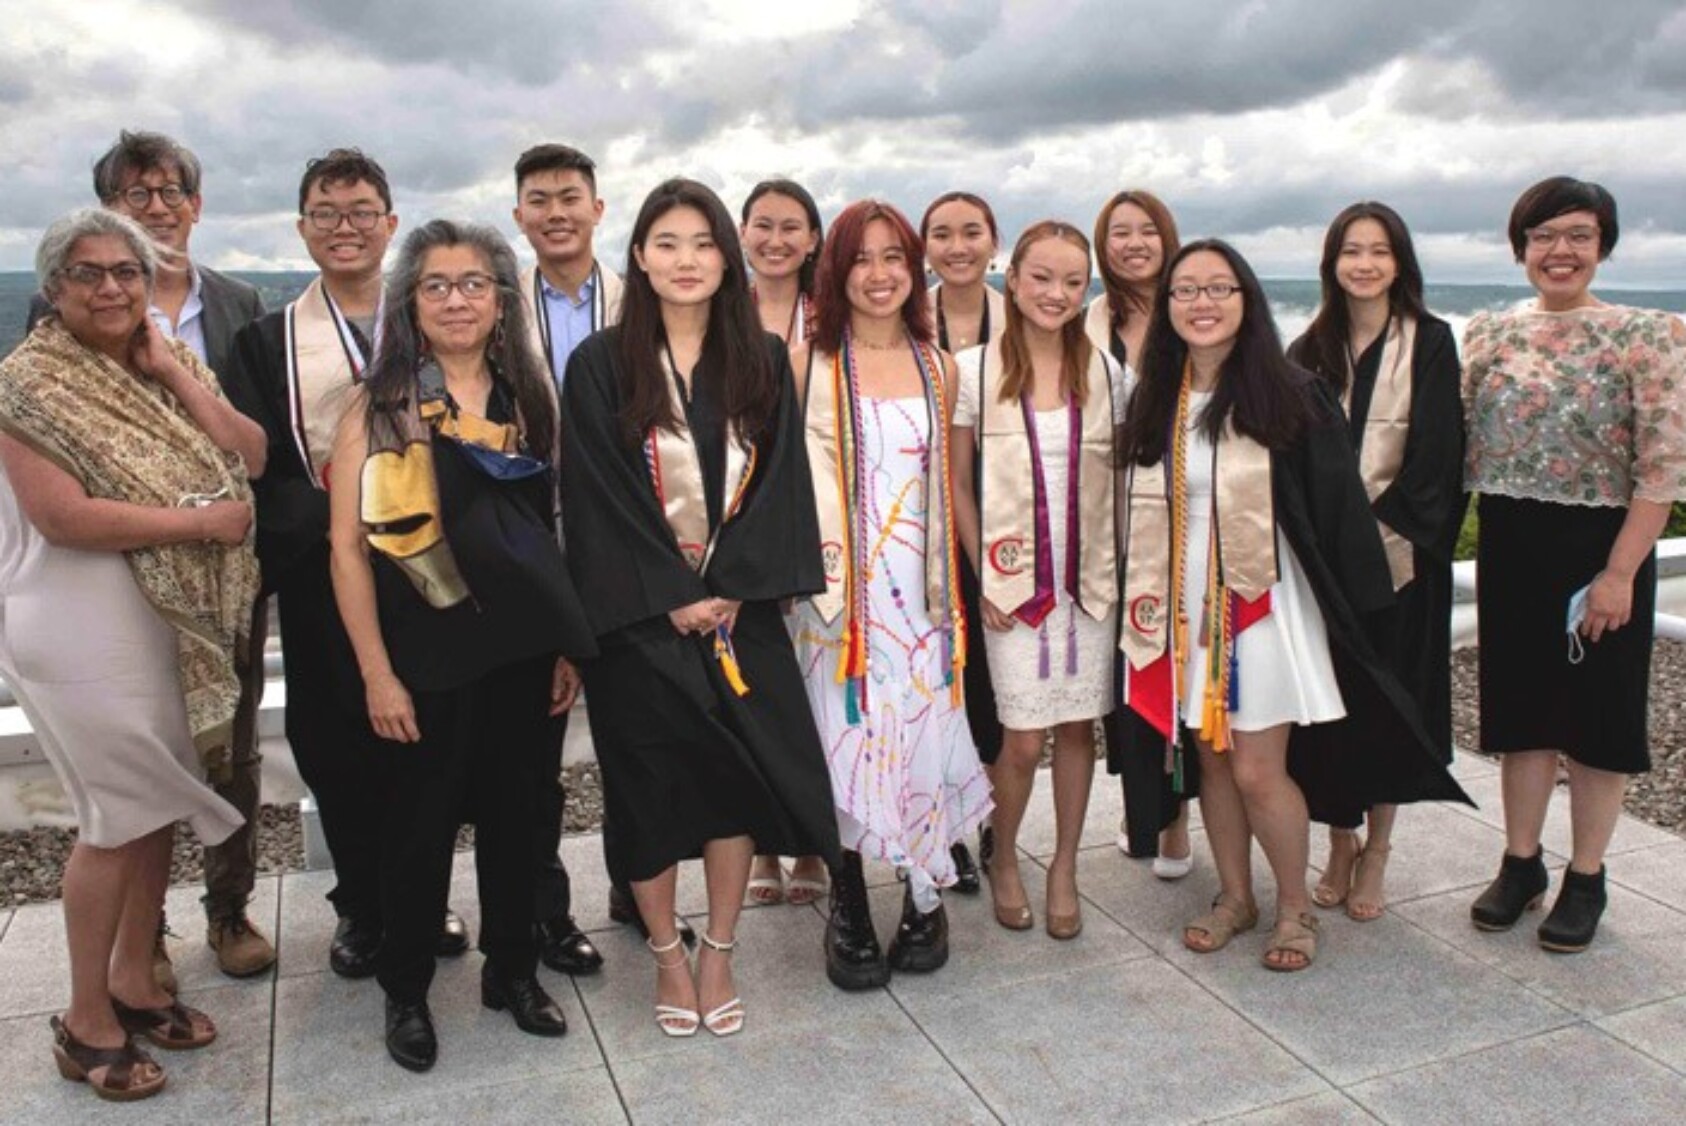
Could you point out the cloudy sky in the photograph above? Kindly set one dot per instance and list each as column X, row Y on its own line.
column 1255, row 119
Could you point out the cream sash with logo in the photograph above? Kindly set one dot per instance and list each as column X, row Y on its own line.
column 1008, row 507
column 677, row 476
column 323, row 362
column 1387, row 424
column 1246, row 534
column 606, row 289
column 830, row 435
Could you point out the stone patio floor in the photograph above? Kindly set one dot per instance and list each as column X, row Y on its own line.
column 1415, row 1018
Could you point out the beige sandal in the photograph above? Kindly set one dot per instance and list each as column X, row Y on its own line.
column 674, row 1020
column 1336, row 882
column 1362, row 908
column 1224, row 921
column 1293, row 934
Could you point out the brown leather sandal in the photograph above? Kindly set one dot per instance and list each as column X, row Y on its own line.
column 1224, row 921
column 171, row 1027
column 1336, row 883
column 123, row 1066
column 1361, row 905
column 1293, row 934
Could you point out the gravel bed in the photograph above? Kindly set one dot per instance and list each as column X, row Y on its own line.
column 32, row 859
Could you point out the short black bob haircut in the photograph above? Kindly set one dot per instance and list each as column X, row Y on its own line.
column 1560, row 195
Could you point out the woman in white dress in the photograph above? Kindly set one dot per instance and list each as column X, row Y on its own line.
column 1254, row 579
column 126, row 588
column 881, row 649
column 1040, row 406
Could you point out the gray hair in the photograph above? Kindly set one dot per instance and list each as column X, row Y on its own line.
column 91, row 222
column 142, row 152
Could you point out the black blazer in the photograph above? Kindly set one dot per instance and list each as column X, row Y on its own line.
column 229, row 304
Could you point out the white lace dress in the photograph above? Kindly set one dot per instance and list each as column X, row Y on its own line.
column 1027, row 698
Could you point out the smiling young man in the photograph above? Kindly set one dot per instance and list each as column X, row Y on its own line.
column 154, row 180
column 571, row 294
column 293, row 372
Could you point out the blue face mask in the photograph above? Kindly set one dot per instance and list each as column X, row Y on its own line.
column 1577, row 615
column 501, row 466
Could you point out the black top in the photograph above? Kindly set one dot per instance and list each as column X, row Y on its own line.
column 521, row 602
column 633, row 571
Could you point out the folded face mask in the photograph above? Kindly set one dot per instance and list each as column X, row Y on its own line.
column 1577, row 615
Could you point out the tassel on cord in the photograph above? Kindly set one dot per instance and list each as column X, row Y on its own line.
column 728, row 658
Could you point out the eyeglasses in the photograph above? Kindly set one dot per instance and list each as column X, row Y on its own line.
column 88, row 275
column 1187, row 292
column 328, row 219
column 1580, row 238
column 435, row 289
column 140, row 196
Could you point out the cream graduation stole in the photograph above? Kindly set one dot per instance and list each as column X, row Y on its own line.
column 1241, row 569
column 1017, row 556
column 605, row 308
column 676, row 475
column 1381, row 450
column 323, row 361
column 832, row 410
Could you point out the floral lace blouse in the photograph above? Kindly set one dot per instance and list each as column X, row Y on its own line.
column 1581, row 407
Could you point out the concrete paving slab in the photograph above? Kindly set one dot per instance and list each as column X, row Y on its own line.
column 1092, row 1045
column 330, row 1054
column 1331, row 1109
column 1658, row 1030
column 779, row 967
column 582, row 855
column 5, row 921
column 226, row 1082
column 1100, row 822
column 984, row 956
column 1467, row 767
column 307, row 924
column 1437, row 1003
column 1659, row 873
column 1631, row 833
column 1637, row 957
column 579, row 1098
column 871, row 1066
column 195, row 962
column 1576, row 1074
column 1435, row 849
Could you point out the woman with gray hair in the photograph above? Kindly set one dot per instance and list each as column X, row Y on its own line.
column 126, row 587
column 457, row 601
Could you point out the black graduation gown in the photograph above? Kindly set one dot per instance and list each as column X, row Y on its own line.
column 1425, row 504
column 1379, row 753
column 685, row 759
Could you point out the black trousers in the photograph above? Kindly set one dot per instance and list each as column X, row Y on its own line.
column 482, row 757
column 554, row 895
column 338, row 754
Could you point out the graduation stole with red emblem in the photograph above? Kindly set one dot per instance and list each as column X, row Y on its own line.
column 677, row 477
column 1240, row 570
column 848, row 546
column 1017, row 562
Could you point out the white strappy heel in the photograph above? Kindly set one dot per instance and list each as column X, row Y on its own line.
column 674, row 1020
column 727, row 1019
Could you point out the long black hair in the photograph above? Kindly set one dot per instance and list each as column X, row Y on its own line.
column 734, row 362
column 791, row 190
column 392, row 376
column 1326, row 338
column 1257, row 387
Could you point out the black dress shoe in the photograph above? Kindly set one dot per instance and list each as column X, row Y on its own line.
column 410, row 1039
column 967, row 881
column 1573, row 920
column 352, row 952
column 623, row 909
column 566, row 949
column 534, row 1011
column 986, row 845
column 1520, row 886
column 921, row 942
column 453, row 936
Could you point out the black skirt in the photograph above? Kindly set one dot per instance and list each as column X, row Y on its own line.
column 1533, row 556
column 685, row 760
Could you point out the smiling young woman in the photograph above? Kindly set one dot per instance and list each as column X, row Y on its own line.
column 1395, row 368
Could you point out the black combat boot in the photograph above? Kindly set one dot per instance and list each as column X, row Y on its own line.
column 853, row 958
column 921, row 942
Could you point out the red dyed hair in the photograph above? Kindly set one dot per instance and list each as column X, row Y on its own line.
column 831, row 295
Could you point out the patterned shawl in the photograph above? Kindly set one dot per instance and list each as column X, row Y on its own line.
column 127, row 439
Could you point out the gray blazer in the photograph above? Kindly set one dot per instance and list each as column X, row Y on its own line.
column 229, row 305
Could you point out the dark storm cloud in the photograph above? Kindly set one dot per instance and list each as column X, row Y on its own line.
column 527, row 42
